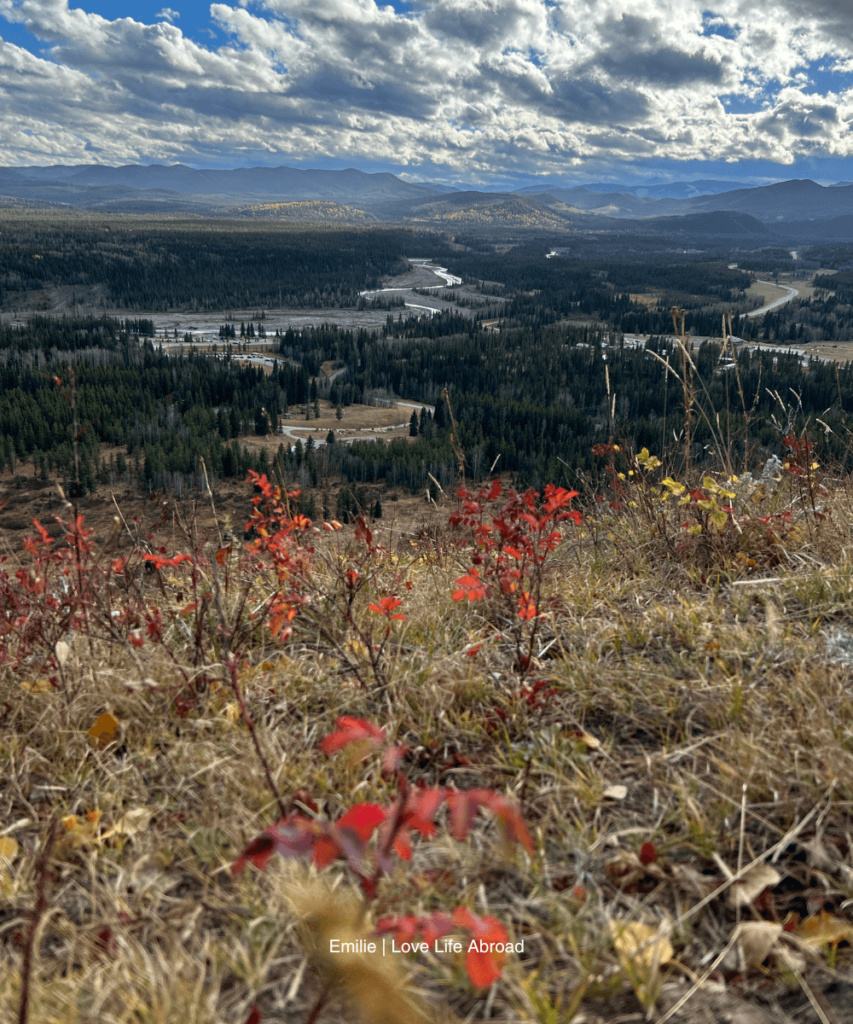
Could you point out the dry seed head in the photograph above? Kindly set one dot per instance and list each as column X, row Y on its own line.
column 375, row 984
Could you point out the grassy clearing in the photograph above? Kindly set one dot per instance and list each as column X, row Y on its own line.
column 675, row 726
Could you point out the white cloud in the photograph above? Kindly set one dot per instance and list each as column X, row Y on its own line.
column 481, row 87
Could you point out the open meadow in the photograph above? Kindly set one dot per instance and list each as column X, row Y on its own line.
column 615, row 734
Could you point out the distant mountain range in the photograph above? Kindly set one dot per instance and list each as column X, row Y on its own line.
column 654, row 190
column 797, row 208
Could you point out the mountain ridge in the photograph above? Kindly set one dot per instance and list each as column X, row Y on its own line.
column 177, row 188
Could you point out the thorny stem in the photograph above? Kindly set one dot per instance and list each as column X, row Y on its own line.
column 397, row 821
column 244, row 711
column 38, row 911
column 318, row 1006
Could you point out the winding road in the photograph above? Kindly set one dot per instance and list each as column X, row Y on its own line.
column 792, row 293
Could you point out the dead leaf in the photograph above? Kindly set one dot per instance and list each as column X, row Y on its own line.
column 62, row 651
column 791, row 958
column 772, row 623
column 232, row 712
column 692, row 881
column 756, row 939
column 615, row 793
column 823, row 929
column 104, row 731
column 639, row 945
column 589, row 741
column 8, row 848
column 131, row 823
column 626, row 869
column 752, row 884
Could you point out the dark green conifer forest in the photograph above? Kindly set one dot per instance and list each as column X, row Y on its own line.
column 533, row 397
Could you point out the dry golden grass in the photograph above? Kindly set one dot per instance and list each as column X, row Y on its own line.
column 723, row 709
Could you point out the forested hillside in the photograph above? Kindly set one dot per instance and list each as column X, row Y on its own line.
column 159, row 265
column 550, row 380
column 537, row 398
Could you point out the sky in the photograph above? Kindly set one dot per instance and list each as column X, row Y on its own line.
column 488, row 92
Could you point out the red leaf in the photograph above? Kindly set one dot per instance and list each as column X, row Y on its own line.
column 254, row 1016
column 511, row 822
column 422, row 805
column 483, row 964
column 160, row 562
column 526, row 607
column 436, row 927
column 363, row 819
column 557, row 497
column 293, row 836
column 392, row 757
column 369, row 887
column 105, row 944
column 463, row 810
column 258, row 852
column 386, row 606
column 352, row 730
column 403, row 928
column 326, row 851
column 471, row 586
column 648, row 853
column 403, row 845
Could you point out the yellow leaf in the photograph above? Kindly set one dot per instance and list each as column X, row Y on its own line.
column 648, row 461
column 638, row 945
column 356, row 647
column 36, row 685
column 79, row 831
column 8, row 848
column 104, row 731
column 822, row 929
column 673, row 485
